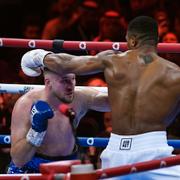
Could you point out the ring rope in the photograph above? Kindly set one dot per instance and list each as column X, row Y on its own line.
column 26, row 176
column 138, row 167
column 79, row 45
column 23, row 88
column 109, row 172
column 90, row 141
column 99, row 142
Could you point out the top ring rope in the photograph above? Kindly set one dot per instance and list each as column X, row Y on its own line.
column 79, row 45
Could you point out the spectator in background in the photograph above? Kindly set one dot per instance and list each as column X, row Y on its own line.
column 7, row 102
column 177, row 24
column 88, row 20
column 32, row 27
column 162, row 19
column 109, row 4
column 96, row 81
column 171, row 37
column 141, row 7
column 136, row 7
column 112, row 27
column 64, row 26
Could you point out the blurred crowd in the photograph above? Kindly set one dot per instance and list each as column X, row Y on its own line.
column 81, row 20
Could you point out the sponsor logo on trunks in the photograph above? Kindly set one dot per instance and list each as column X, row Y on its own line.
column 125, row 144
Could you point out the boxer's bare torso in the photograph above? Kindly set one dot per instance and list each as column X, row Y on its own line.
column 143, row 90
column 59, row 139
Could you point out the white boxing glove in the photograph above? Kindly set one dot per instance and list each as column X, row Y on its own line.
column 32, row 61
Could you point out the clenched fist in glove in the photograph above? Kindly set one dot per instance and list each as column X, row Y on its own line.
column 32, row 61
column 40, row 113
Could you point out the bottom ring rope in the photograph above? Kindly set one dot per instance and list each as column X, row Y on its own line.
column 138, row 167
column 26, row 177
column 106, row 173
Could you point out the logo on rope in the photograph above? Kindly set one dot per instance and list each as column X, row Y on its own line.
column 90, row 141
column 82, row 45
column 25, row 177
column 116, row 46
column 163, row 164
column 104, row 175
column 7, row 139
column 32, row 44
column 133, row 169
column 1, row 42
column 125, row 143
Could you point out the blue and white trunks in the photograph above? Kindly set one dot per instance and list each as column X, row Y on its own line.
column 33, row 165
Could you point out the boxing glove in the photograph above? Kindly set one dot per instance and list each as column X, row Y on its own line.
column 32, row 61
column 40, row 113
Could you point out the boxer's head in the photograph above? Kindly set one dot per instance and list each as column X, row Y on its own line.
column 142, row 30
column 60, row 86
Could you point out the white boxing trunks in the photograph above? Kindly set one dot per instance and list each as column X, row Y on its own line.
column 124, row 150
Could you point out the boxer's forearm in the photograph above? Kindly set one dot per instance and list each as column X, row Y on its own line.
column 81, row 65
column 62, row 63
column 22, row 152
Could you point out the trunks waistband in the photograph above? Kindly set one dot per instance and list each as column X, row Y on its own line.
column 73, row 155
column 149, row 140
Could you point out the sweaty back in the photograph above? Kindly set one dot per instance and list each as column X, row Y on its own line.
column 142, row 93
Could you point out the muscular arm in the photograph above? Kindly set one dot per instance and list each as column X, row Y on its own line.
column 172, row 78
column 80, row 65
column 21, row 150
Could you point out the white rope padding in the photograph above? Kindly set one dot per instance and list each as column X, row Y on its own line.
column 23, row 88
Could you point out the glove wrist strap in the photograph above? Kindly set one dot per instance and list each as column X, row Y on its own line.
column 35, row 138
